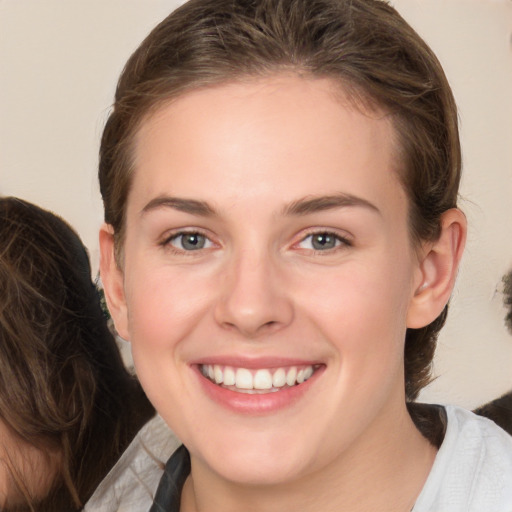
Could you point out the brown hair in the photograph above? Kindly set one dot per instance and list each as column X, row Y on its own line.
column 364, row 45
column 63, row 386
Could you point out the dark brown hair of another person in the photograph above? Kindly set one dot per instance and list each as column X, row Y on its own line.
column 63, row 384
column 500, row 410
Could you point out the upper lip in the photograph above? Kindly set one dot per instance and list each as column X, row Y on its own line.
column 254, row 362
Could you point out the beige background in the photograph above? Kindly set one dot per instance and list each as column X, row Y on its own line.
column 59, row 60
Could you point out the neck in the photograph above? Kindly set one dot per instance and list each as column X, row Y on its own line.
column 377, row 473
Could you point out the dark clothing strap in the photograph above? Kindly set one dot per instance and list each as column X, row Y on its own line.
column 168, row 494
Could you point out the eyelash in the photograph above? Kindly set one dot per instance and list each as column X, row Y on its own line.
column 341, row 242
column 166, row 243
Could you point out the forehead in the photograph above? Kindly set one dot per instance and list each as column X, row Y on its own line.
column 297, row 134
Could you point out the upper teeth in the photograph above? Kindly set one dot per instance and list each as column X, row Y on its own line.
column 244, row 379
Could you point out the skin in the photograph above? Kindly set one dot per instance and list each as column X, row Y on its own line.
column 257, row 156
column 22, row 464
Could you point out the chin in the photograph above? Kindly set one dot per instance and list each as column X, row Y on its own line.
column 268, row 461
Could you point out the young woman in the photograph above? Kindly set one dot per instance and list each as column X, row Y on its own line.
column 68, row 407
column 282, row 236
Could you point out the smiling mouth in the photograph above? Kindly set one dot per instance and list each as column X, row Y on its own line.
column 243, row 380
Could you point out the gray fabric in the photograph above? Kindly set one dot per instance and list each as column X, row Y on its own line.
column 131, row 484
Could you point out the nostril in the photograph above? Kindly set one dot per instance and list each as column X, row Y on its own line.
column 252, row 330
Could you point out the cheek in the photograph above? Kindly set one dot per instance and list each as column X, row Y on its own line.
column 358, row 296
column 362, row 312
column 165, row 306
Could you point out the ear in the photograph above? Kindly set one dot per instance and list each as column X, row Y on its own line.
column 113, row 281
column 438, row 267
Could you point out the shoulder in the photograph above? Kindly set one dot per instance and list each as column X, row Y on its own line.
column 473, row 468
column 131, row 483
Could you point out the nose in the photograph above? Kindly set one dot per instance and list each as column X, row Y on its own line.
column 253, row 298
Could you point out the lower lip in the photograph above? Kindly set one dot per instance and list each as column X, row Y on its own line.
column 257, row 404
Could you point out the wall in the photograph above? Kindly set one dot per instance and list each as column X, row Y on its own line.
column 59, row 61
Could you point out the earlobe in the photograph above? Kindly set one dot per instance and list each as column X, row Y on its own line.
column 438, row 270
column 113, row 281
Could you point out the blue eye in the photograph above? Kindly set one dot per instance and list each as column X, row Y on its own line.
column 322, row 241
column 190, row 241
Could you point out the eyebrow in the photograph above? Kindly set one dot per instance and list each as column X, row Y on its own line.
column 191, row 206
column 299, row 207
column 309, row 205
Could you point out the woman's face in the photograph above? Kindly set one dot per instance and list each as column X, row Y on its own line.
column 268, row 275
